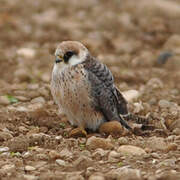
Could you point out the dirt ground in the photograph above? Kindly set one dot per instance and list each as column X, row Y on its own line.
column 138, row 40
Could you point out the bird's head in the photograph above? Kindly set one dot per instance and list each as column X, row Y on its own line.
column 70, row 53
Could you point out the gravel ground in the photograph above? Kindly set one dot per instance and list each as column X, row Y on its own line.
column 138, row 40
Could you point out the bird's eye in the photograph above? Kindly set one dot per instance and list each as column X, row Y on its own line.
column 68, row 55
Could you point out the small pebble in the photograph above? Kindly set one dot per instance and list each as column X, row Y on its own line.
column 65, row 153
column 155, row 83
column 99, row 153
column 163, row 57
column 4, row 100
column 22, row 129
column 26, row 52
column 4, row 149
column 171, row 147
column 123, row 141
column 38, row 100
column 164, row 103
column 5, row 136
column 27, row 154
column 22, row 75
column 29, row 177
column 131, row 95
column 8, row 168
column 60, row 162
column 54, row 154
column 113, row 156
column 29, row 168
column 156, row 143
column 138, row 107
column 176, row 131
column 21, row 98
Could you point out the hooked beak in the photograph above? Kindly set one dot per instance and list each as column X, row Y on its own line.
column 58, row 60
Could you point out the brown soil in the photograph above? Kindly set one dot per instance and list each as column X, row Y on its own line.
column 133, row 39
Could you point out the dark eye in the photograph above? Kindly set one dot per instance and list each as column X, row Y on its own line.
column 68, row 55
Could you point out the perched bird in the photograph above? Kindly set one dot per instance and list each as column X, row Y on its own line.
column 84, row 89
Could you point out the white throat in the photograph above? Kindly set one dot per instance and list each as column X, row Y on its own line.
column 75, row 60
column 78, row 59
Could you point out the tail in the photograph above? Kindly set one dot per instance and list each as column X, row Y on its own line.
column 124, row 123
column 135, row 118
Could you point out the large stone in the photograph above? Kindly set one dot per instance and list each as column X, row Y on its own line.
column 8, row 169
column 97, row 176
column 94, row 143
column 74, row 177
column 124, row 173
column 167, row 175
column 4, row 136
column 18, row 144
column 156, row 143
column 164, row 103
column 131, row 150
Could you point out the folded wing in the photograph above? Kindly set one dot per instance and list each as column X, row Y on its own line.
column 106, row 96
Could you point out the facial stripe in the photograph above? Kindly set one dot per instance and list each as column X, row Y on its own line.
column 68, row 55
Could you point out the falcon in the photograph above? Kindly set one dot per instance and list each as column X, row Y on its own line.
column 84, row 88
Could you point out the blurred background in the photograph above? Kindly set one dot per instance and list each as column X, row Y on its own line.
column 138, row 40
column 128, row 33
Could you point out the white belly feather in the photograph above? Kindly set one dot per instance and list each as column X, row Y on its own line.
column 71, row 91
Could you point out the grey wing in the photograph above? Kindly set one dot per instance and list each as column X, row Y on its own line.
column 121, row 102
column 106, row 97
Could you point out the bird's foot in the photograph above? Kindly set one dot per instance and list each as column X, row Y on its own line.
column 78, row 132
